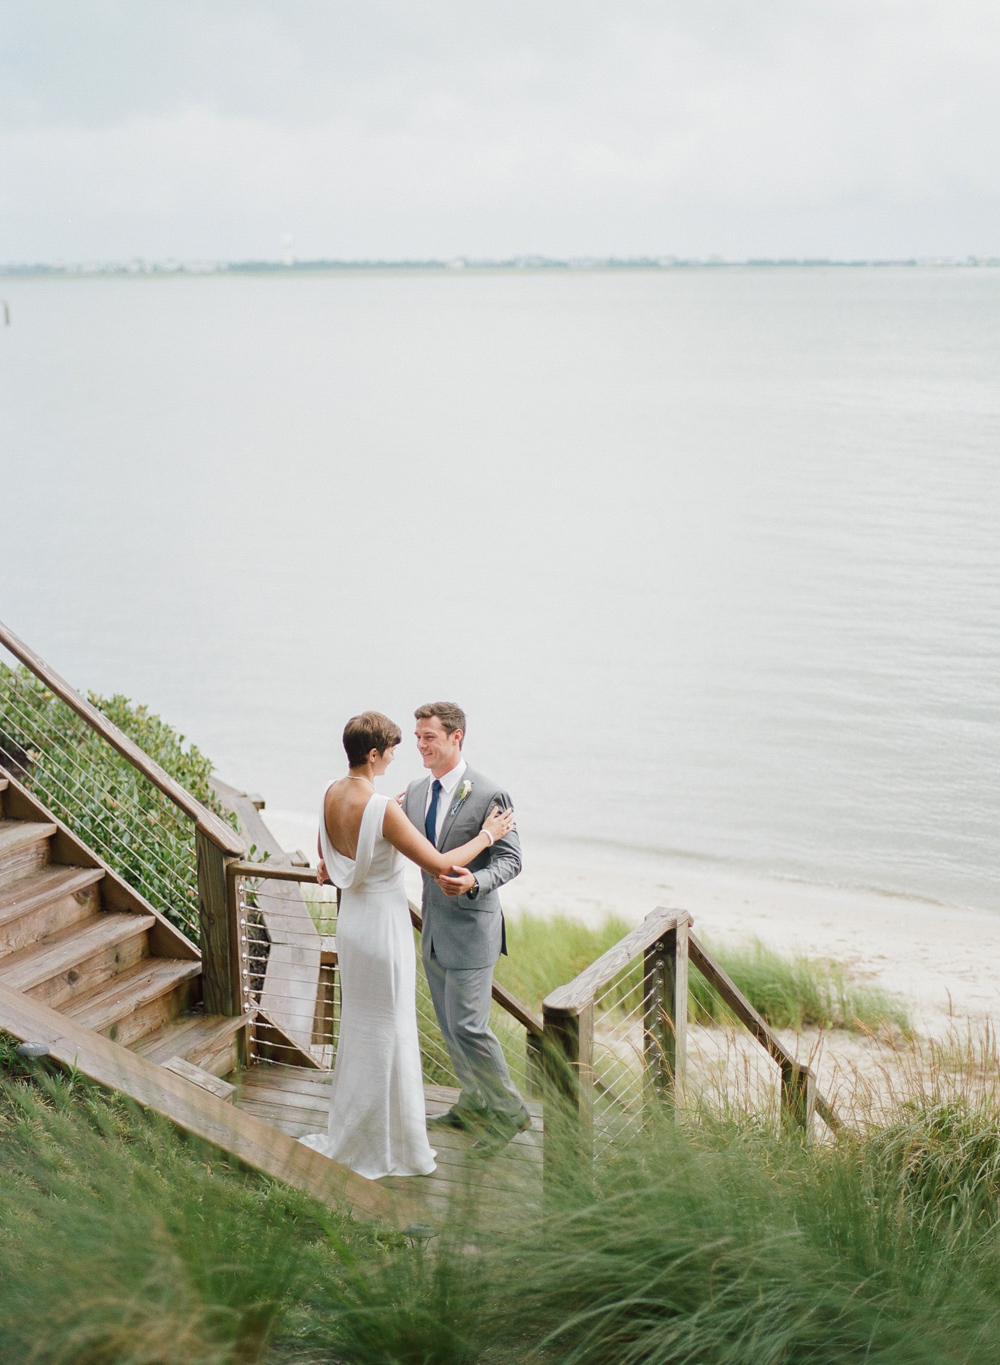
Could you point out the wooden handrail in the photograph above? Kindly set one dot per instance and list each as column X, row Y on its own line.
column 276, row 872
column 283, row 873
column 214, row 829
column 758, row 1026
column 577, row 994
column 575, row 1000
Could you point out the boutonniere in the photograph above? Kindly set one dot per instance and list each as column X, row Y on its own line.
column 463, row 792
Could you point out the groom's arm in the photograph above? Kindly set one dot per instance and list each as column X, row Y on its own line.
column 502, row 865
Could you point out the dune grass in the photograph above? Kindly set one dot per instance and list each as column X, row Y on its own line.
column 796, row 993
column 703, row 1242
column 120, row 1240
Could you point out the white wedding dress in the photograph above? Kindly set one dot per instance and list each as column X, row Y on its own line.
column 378, row 1123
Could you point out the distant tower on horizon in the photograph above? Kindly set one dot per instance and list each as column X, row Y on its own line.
column 287, row 251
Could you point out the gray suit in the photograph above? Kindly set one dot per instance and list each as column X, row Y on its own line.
column 462, row 938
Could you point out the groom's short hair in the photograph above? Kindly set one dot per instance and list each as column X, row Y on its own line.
column 371, row 730
column 452, row 717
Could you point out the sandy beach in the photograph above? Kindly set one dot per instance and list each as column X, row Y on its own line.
column 940, row 958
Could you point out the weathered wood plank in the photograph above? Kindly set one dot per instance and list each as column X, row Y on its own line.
column 31, row 911
column 313, row 1120
column 665, row 1009
column 173, row 1038
column 221, row 989
column 79, row 949
column 261, row 1078
column 272, row 871
column 215, row 1085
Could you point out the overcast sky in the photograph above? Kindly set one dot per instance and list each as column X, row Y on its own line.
column 410, row 128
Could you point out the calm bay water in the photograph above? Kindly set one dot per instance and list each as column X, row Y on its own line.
column 711, row 557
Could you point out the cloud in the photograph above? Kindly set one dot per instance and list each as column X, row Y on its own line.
column 382, row 128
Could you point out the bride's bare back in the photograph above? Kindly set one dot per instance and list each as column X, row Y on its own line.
column 344, row 810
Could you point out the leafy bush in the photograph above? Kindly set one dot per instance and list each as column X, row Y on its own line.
column 108, row 804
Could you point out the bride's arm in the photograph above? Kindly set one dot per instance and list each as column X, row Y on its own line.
column 404, row 835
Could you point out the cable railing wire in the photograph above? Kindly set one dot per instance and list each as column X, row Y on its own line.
column 121, row 853
column 103, row 798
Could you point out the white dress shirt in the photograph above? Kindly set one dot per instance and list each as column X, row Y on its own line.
column 449, row 783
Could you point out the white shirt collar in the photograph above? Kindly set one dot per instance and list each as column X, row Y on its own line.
column 451, row 780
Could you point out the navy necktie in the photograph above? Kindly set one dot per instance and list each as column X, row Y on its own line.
column 431, row 819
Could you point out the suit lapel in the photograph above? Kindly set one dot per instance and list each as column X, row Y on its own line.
column 416, row 804
column 449, row 818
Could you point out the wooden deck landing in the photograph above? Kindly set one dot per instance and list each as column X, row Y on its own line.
column 507, row 1186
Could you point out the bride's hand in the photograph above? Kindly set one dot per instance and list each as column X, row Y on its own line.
column 499, row 822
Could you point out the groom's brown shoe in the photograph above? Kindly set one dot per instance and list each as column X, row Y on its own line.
column 457, row 1121
column 499, row 1133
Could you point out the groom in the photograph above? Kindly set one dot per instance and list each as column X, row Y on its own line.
column 463, row 933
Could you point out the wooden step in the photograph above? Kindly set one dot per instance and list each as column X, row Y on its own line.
column 207, row 1040
column 24, row 848
column 180, row 1067
column 140, row 1000
column 33, row 908
column 79, row 959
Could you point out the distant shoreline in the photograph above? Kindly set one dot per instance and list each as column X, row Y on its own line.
column 139, row 268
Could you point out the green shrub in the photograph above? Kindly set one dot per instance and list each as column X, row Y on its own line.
column 101, row 797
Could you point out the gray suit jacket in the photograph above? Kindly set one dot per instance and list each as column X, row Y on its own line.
column 466, row 931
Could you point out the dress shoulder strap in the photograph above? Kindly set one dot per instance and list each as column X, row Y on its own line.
column 368, row 834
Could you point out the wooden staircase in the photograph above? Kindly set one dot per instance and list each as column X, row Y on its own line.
column 75, row 938
column 110, row 987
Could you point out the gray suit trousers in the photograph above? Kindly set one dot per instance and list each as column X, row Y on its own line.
column 462, row 1004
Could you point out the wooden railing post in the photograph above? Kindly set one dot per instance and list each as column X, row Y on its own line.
column 219, row 930
column 568, row 1062
column 798, row 1095
column 665, row 980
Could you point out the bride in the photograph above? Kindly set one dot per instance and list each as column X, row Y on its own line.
column 377, row 1120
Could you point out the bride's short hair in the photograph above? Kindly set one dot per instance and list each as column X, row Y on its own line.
column 371, row 730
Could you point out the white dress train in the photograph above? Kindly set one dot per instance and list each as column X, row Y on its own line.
column 378, row 1123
